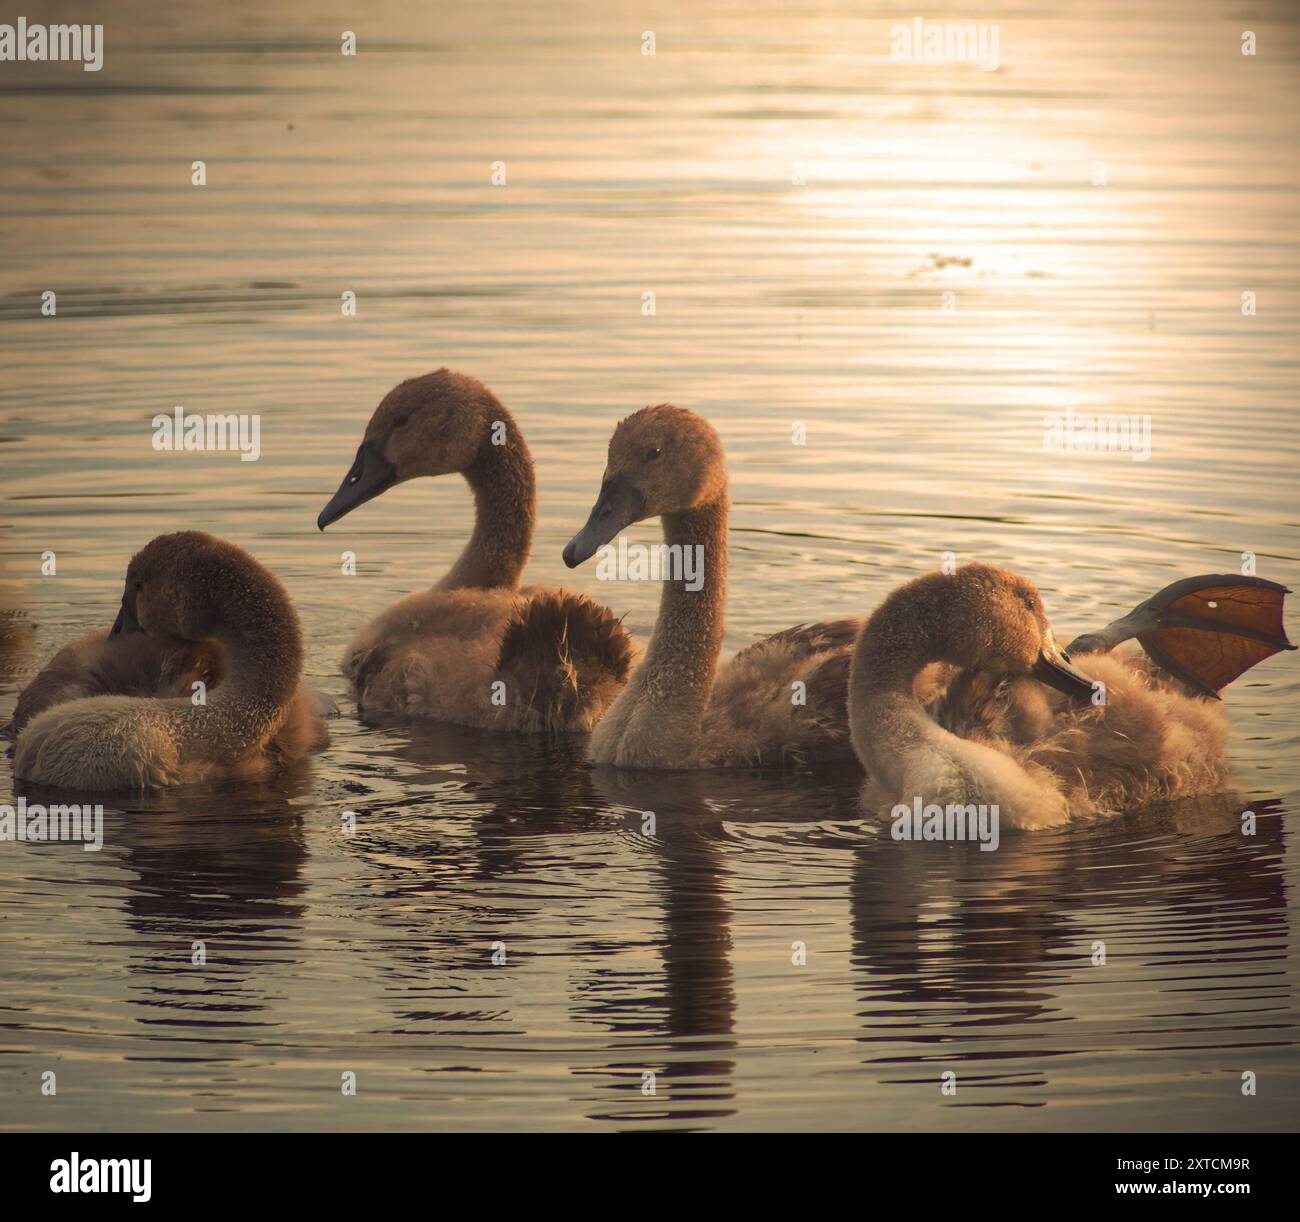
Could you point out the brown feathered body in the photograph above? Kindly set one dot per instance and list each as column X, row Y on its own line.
column 98, row 664
column 1152, row 741
column 529, row 660
column 781, row 701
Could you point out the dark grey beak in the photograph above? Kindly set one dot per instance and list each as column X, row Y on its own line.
column 370, row 475
column 617, row 507
column 125, row 622
column 1056, row 670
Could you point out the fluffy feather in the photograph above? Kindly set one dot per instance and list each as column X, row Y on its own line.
column 757, row 717
column 97, row 664
column 534, row 660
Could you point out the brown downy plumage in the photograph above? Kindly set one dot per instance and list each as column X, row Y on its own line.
column 476, row 649
column 99, row 664
column 993, row 734
column 562, row 656
column 780, row 701
column 214, row 596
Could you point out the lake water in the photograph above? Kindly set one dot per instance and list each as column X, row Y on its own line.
column 918, row 262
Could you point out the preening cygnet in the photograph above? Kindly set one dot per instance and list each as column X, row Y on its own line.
column 229, row 618
column 1123, row 734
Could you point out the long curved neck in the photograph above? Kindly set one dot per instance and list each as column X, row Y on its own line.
column 677, row 675
column 885, row 717
column 505, row 511
column 262, row 662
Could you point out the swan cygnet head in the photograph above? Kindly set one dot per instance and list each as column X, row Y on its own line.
column 196, row 587
column 436, row 424
column 982, row 618
column 662, row 460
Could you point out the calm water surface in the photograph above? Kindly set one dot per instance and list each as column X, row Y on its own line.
column 775, row 303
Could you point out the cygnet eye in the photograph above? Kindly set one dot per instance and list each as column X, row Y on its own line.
column 400, row 421
column 652, row 453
